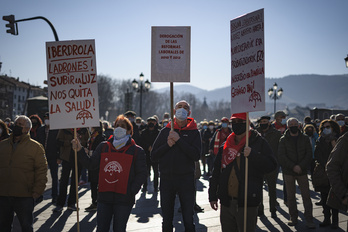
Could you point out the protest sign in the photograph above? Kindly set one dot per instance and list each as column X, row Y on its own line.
column 170, row 54
column 72, row 84
column 247, row 63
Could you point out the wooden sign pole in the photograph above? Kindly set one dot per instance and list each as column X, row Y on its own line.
column 246, row 173
column 76, row 185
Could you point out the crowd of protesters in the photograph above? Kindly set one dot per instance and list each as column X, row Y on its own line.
column 178, row 157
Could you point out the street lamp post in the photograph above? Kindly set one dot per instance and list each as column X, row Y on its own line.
column 141, row 87
column 346, row 60
column 275, row 94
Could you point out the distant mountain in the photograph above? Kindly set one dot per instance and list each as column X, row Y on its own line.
column 183, row 88
column 322, row 91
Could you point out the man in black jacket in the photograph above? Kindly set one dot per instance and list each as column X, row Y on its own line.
column 272, row 136
column 48, row 140
column 147, row 138
column 228, row 179
column 295, row 155
column 176, row 151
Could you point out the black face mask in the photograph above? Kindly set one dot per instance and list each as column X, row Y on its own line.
column 239, row 128
column 151, row 125
column 264, row 126
column 309, row 133
column 17, row 130
column 293, row 129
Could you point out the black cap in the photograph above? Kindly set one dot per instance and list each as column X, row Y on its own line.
column 264, row 117
column 130, row 113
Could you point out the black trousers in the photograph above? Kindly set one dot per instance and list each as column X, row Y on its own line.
column 67, row 169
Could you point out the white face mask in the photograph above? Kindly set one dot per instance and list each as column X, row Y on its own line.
column 340, row 123
column 327, row 131
column 120, row 132
column 211, row 127
column 181, row 114
column 47, row 122
column 283, row 121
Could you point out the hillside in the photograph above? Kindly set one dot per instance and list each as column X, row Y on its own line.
column 329, row 91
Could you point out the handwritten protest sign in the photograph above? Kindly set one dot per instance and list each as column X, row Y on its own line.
column 72, row 84
column 247, row 63
column 170, row 58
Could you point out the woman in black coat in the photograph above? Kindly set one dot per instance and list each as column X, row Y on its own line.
column 329, row 131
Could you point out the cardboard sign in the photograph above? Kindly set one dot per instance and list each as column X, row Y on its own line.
column 247, row 63
column 170, row 54
column 72, row 84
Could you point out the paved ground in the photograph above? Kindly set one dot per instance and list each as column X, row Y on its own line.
column 146, row 214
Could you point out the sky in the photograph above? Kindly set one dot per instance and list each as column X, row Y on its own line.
column 301, row 37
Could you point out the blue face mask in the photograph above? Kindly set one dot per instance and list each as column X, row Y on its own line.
column 327, row 131
column 181, row 114
column 224, row 125
column 205, row 127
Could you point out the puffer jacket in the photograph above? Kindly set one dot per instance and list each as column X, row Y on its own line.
column 291, row 154
column 23, row 170
column 261, row 161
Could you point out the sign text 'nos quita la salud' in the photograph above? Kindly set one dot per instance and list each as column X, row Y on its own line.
column 72, row 84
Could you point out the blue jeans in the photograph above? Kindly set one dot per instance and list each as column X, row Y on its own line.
column 185, row 188
column 119, row 214
column 22, row 206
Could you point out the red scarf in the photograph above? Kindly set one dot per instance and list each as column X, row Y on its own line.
column 231, row 149
column 191, row 125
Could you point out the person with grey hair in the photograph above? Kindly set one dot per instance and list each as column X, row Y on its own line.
column 176, row 151
column 23, row 178
column 294, row 156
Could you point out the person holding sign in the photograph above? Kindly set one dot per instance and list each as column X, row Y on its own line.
column 228, row 177
column 176, row 151
column 122, row 172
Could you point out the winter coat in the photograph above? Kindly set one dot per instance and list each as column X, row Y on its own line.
column 207, row 135
column 137, row 174
column 180, row 158
column 272, row 136
column 261, row 161
column 147, row 138
column 52, row 148
column 23, row 170
column 64, row 138
column 337, row 171
column 291, row 154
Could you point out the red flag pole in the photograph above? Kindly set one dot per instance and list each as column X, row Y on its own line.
column 246, row 173
column 76, row 186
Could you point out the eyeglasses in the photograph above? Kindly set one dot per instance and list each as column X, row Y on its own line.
column 327, row 127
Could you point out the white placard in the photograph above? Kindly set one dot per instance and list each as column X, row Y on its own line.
column 72, row 84
column 170, row 54
column 247, row 63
